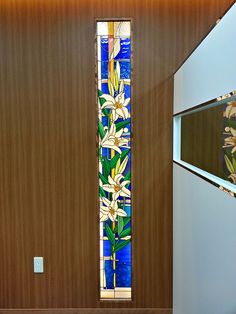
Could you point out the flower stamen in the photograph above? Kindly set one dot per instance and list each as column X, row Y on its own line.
column 117, row 188
column 117, row 141
column 112, row 211
column 118, row 105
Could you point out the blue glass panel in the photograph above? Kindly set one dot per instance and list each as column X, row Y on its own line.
column 107, row 248
column 123, row 267
column 105, row 89
column 127, row 91
column 104, row 48
column 124, row 70
column 109, row 272
column 124, row 52
column 128, row 210
column 124, row 255
column 104, row 70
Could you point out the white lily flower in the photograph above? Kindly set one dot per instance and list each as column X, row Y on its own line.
column 110, row 210
column 113, row 139
column 231, row 140
column 117, row 104
column 230, row 110
column 116, row 187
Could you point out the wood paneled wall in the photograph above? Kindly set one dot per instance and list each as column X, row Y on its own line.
column 48, row 165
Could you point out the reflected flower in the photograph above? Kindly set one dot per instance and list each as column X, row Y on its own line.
column 233, row 177
column 116, row 187
column 110, row 210
column 230, row 110
column 113, row 139
column 231, row 140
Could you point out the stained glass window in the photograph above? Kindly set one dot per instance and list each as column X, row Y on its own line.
column 114, row 157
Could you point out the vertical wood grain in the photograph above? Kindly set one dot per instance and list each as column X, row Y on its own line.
column 202, row 139
column 48, row 183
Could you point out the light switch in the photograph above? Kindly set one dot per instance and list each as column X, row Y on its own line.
column 38, row 264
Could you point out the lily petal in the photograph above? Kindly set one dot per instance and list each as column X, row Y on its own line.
column 118, row 177
column 116, row 195
column 126, row 102
column 108, row 104
column 117, row 149
column 120, row 112
column 104, row 209
column 123, row 141
column 233, row 131
column 114, row 204
column 119, row 133
column 124, row 183
column 104, row 218
column 106, row 201
column 114, row 115
column 112, row 217
column 111, row 181
column 108, row 188
column 108, row 143
column 108, row 98
column 113, row 129
column 124, row 192
column 125, row 112
column 121, row 212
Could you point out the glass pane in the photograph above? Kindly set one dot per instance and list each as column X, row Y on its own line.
column 208, row 139
column 114, row 157
column 102, row 28
column 122, row 28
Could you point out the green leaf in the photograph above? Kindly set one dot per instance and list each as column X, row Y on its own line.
column 114, row 160
column 127, row 176
column 229, row 164
column 106, row 167
column 102, row 100
column 110, row 234
column 99, row 93
column 120, row 245
column 120, row 224
column 117, row 166
column 123, row 165
column 101, row 129
column 101, row 192
column 126, row 220
column 125, row 233
column 110, row 87
column 234, row 164
column 104, row 180
column 227, row 151
column 231, row 123
column 116, row 80
column 122, row 124
column 124, row 154
column 105, row 112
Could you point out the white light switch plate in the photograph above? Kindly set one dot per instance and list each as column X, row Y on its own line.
column 38, row 264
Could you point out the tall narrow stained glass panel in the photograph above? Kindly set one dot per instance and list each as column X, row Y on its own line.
column 114, row 154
